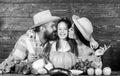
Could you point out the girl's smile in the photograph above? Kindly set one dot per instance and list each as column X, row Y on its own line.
column 62, row 30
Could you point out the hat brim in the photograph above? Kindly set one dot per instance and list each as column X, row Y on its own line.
column 53, row 18
column 80, row 27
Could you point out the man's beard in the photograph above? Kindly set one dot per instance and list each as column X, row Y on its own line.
column 50, row 36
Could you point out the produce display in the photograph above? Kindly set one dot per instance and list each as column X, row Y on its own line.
column 88, row 68
column 82, row 65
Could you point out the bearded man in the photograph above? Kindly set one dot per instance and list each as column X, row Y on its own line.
column 30, row 45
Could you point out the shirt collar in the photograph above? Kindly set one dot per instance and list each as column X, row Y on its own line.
column 38, row 39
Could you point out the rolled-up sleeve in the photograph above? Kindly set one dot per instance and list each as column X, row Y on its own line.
column 20, row 49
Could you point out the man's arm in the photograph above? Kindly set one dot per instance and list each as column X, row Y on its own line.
column 20, row 50
column 17, row 54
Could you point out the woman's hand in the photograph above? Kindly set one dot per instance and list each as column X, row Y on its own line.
column 94, row 44
column 102, row 50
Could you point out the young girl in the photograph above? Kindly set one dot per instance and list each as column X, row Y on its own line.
column 64, row 51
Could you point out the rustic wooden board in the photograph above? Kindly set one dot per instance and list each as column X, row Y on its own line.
column 95, row 1
column 95, row 10
column 10, row 37
column 11, row 23
column 60, row 1
column 29, row 9
column 24, row 1
column 61, row 9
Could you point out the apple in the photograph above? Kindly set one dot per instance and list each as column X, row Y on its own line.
column 90, row 71
column 98, row 71
column 107, row 71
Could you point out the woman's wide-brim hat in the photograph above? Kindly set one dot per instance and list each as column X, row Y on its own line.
column 84, row 25
column 43, row 17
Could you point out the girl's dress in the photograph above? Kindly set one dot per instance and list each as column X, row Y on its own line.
column 62, row 58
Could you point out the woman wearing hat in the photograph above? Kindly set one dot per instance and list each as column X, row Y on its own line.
column 82, row 31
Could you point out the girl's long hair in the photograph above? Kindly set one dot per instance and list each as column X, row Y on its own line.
column 71, row 42
column 80, row 36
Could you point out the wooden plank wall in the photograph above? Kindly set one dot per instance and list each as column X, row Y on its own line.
column 16, row 17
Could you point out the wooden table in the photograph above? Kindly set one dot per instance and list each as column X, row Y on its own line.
column 113, row 74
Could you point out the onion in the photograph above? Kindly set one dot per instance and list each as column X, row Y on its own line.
column 90, row 71
column 98, row 71
column 107, row 71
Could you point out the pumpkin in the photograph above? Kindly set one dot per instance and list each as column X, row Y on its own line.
column 107, row 71
column 62, row 59
column 98, row 71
